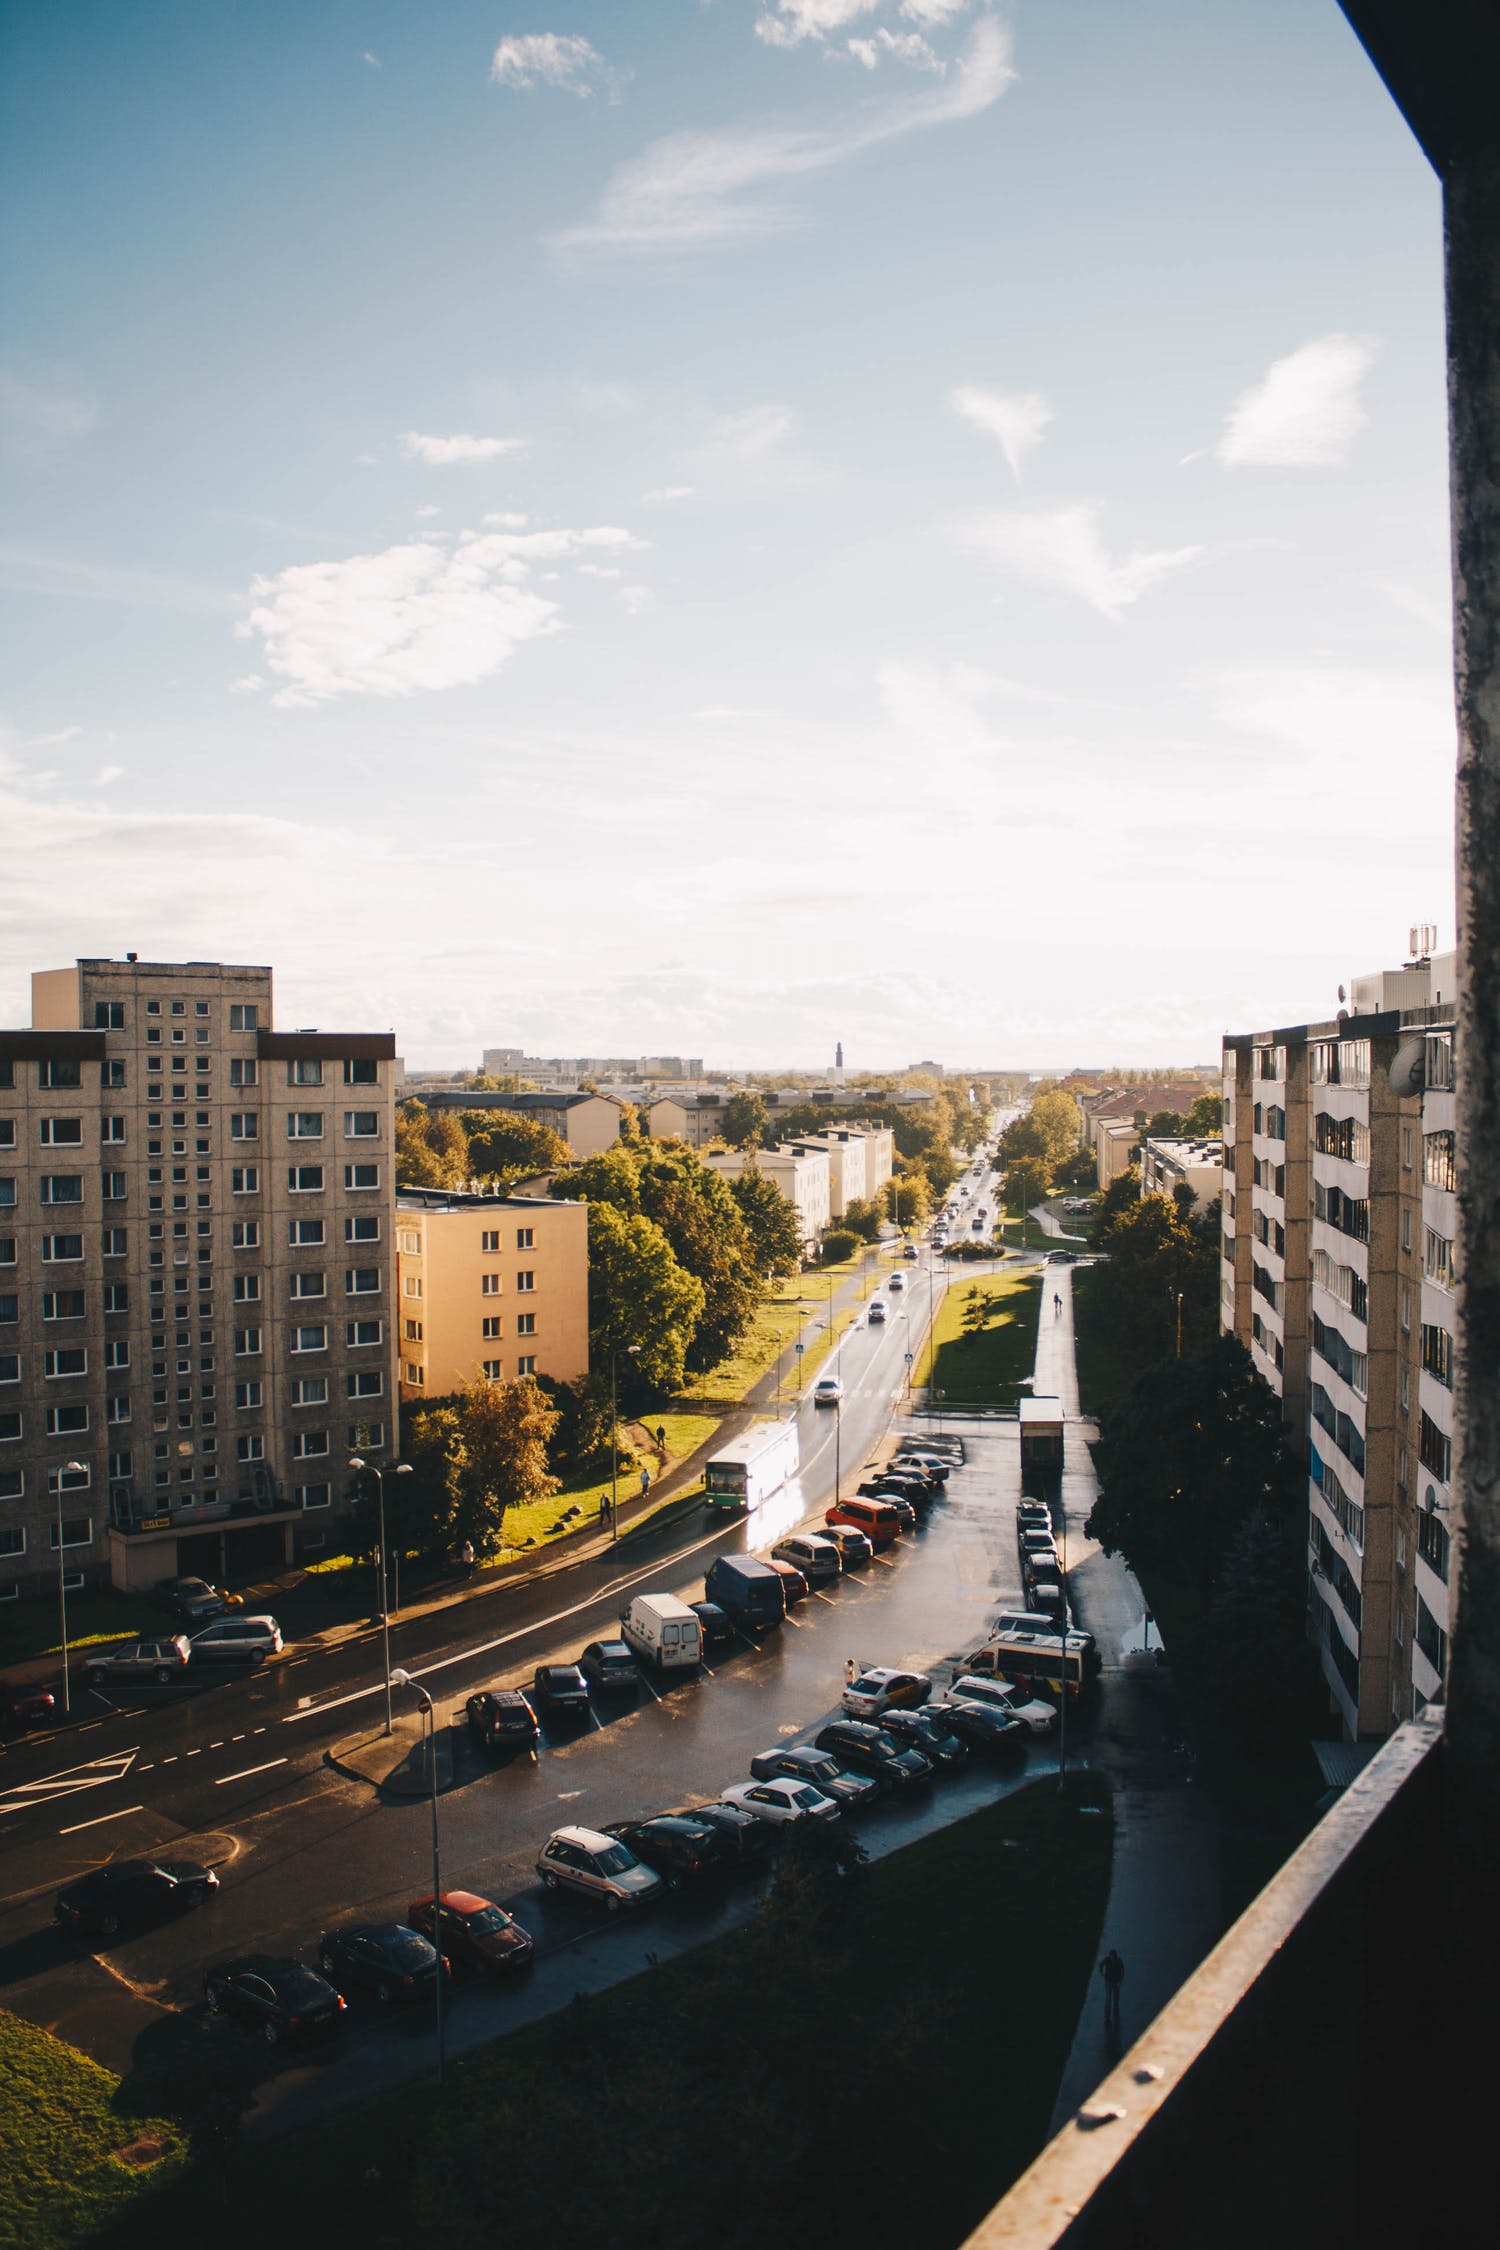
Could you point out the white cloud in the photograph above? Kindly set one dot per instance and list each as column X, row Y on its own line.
column 249, row 683
column 1066, row 550
column 598, row 570
column 562, row 59
column 1382, row 719
column 1015, row 419
column 508, row 520
column 418, row 617
column 634, row 599
column 1305, row 412
column 748, row 436
column 907, row 47
column 669, row 492
column 51, row 741
column 788, row 22
column 431, row 509
column 374, row 61
column 699, row 187
column 447, row 452
column 107, row 774
column 932, row 15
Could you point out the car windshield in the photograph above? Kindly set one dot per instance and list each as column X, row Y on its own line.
column 487, row 1921
column 821, row 1768
column 512, row 1715
column 615, row 1652
column 410, row 1952
column 299, row 1988
column 615, row 1861
column 805, row 1796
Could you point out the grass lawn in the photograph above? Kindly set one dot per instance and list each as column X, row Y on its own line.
column 60, row 2138
column 30, row 1628
column 1107, row 1363
column 989, row 1367
column 1036, row 1237
column 959, row 1963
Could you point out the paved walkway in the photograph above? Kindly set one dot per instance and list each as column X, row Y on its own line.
column 1164, row 1911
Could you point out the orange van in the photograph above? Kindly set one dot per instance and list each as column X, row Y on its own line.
column 881, row 1525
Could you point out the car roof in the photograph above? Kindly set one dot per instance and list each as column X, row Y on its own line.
column 588, row 1839
column 461, row 1902
column 546, row 1669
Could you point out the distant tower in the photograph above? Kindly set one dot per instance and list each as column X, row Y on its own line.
column 838, row 1064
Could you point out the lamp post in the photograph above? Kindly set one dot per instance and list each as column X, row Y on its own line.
column 69, row 1468
column 393, row 1469
column 614, row 1446
column 838, row 1443
column 400, row 1678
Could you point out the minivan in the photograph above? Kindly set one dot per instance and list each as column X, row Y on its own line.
column 816, row 1557
column 581, row 1859
column 877, row 1519
column 246, row 1640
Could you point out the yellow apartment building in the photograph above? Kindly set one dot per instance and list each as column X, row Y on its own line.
column 489, row 1285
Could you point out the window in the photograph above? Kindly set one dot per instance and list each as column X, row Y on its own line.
column 59, row 1248
column 7, row 1132
column 490, row 1328
column 65, row 1421
column 72, row 1360
column 525, row 1281
column 310, row 1339
column 1437, row 1354
column 362, row 1281
column 361, row 1124
column 61, row 1187
column 1406, row 1228
column 489, row 1285
column 492, row 1370
column 1440, row 1160
column 243, row 1070
column 1344, row 1137
column 526, row 1324
column 365, row 1383
column 109, row 1015
column 244, row 1016
column 244, row 1125
column 361, row 1176
column 12, row 1540
column 10, row 1367
column 62, row 1304
column 309, row 1445
column 250, row 1448
column 59, row 1071
column 1435, row 1449
column 302, row 1234
column 309, row 1285
column 77, row 1531
column 7, row 1194
column 7, row 1249
column 524, row 1239
column 360, row 1070
column 410, row 1373
column 489, row 1241
column 116, row 1296
column 112, row 1130
column 304, row 1070
column 247, row 1343
column 304, row 1125
column 362, row 1229
column 411, row 1285
column 112, row 1242
column 310, row 1496
column 244, row 1179
column 526, row 1364
column 245, row 1288
column 12, row 1428
column 409, row 1242
column 312, row 1390
column 249, row 1394
column 10, row 1308
column 364, row 1332
column 1433, row 1544
column 112, row 1185
column 304, row 1179
column 244, row 1234
column 112, row 1074
column 365, row 1435
column 1407, row 1139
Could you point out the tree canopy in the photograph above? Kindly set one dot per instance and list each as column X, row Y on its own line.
column 473, row 1457
column 639, row 1295
column 745, row 1120
column 770, row 1222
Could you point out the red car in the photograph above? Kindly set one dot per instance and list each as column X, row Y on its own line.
column 23, row 1706
column 476, row 1933
column 793, row 1583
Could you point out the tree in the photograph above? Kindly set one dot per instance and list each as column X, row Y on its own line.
column 1054, row 1116
column 1122, row 1195
column 1027, row 1180
column 505, row 1145
column 862, row 1216
column 477, row 1455
column 639, row 1294
column 976, row 1312
column 432, row 1148
column 1166, row 1125
column 745, row 1120
column 1163, row 1270
column 909, row 1197
column 1205, row 1120
column 770, row 1221
column 839, row 1243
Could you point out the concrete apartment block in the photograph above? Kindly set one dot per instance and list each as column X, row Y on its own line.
column 491, row 1286
column 802, row 1177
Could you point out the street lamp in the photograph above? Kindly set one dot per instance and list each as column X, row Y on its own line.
column 838, row 1441
column 614, row 1446
column 393, row 1469
column 400, row 1678
column 68, row 1469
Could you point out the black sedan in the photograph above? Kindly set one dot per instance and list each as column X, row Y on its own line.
column 926, row 1729
column 385, row 1959
column 284, row 2001
column 679, row 1847
column 560, row 1691
column 868, row 1749
column 476, row 1934
column 132, row 1893
column 985, row 1727
column 749, row 1842
column 715, row 1626
column 848, row 1790
column 611, row 1666
column 501, row 1719
column 22, row 1706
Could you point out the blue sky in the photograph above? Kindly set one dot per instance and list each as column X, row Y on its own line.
column 721, row 527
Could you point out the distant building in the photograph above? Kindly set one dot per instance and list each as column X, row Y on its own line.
column 587, row 1122
column 859, row 1158
column 1196, row 1165
column 492, row 1286
column 801, row 1175
column 1100, row 1113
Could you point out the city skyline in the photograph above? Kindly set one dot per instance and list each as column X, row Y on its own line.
column 577, row 529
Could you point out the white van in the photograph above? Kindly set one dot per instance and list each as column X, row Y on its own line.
column 664, row 1631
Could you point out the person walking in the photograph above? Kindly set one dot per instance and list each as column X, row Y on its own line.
column 466, row 1557
column 1112, row 1970
column 603, row 1510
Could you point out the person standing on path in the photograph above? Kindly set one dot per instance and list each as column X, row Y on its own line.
column 1112, row 1969
column 1056, row 1306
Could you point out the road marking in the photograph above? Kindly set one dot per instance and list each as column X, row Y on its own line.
column 650, row 1690
column 194, row 1753
column 218, row 1745
column 170, row 1761
column 248, row 1771
column 72, row 1779
column 236, row 1738
column 259, row 1730
column 82, row 1824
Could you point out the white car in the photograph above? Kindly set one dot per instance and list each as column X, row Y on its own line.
column 883, row 1689
column 895, row 1282
column 781, row 1802
column 581, row 1859
column 828, row 1392
column 1039, row 1717
column 876, row 1313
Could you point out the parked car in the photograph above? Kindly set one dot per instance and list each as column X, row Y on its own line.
column 976, row 1226
column 816, row 1557
column 475, row 1933
column 133, row 1892
column 749, row 1842
column 1059, row 1257
column 560, row 1691
column 919, row 1457
column 715, row 1626
column 925, row 1729
column 894, row 1484
column 794, row 1584
column 828, row 1391
column 908, row 1512
column 883, row 1688
column 782, row 1803
column 162, row 1661
column 662, row 1631
column 237, row 1640
column 501, row 1719
column 387, row 1960
column 868, row 1749
column 679, row 1847
column 750, row 1590
column 985, row 1727
column 193, row 1599
column 610, row 1665
column 599, row 1867
column 23, row 1706
column 285, row 2001
column 1034, row 1512
column 1036, row 1545
column 877, row 1519
column 1038, row 1717
column 799, row 1762
column 855, row 1550
column 876, row 1314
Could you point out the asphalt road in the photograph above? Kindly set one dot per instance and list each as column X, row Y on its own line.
column 236, row 1774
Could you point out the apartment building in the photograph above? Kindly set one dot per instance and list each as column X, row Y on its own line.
column 1197, row 1166
column 801, row 1176
column 1338, row 1274
column 1112, row 1121
column 587, row 1122
column 195, row 1275
column 491, row 1286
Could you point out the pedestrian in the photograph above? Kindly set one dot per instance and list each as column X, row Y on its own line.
column 603, row 1509
column 1056, row 1306
column 466, row 1557
column 661, row 1438
column 1112, row 1969
column 851, row 1669
column 645, row 1482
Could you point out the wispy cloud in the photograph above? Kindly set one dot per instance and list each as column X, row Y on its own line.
column 107, row 774
column 374, row 61
column 907, row 47
column 696, row 188
column 44, row 411
column 1016, row 420
column 1067, row 550
column 415, row 618
column 560, row 59
column 22, row 572
column 460, row 451
column 743, row 437
column 786, row 23
column 1305, row 412
column 669, row 492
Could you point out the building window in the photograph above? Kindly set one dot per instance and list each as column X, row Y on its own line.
column 1437, row 1354
column 361, row 1070
column 243, row 1070
column 492, row 1370
column 362, row 1281
column 112, row 1130
column 244, row 1234
column 363, row 1436
column 304, row 1125
column 71, row 1359
column 61, row 1187
column 411, row 1285
column 59, row 1249
column 77, row 1531
column 304, row 1234
column 409, row 1243
column 309, row 1445
column 309, row 1285
column 112, row 1242
column 246, row 1343
column 364, row 1332
column 7, row 1132
column 116, row 1296
column 412, row 1331
column 65, row 1421
column 365, row 1383
column 526, row 1324
column 244, row 1016
column 358, row 1176
column 312, row 1390
column 1435, row 1449
column 525, row 1281
column 112, row 1074
column 12, row 1428
column 490, row 1328
column 310, row 1339
column 244, row 1179
column 62, row 1304
column 489, row 1242
column 1437, row 1259
column 244, row 1125
column 526, row 1364
column 310, row 1496
column 525, row 1239
column 304, row 1179
column 245, row 1288
column 10, row 1367
column 109, row 1015
column 249, row 1394
column 1440, row 1160
column 362, row 1229
column 59, row 1071
column 250, row 1448
column 413, row 1374
column 489, row 1285
column 304, row 1070
column 361, row 1124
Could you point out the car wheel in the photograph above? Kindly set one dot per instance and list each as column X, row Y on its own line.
column 258, row 1656
column 162, row 1676
column 551, row 1882
column 383, row 1993
column 96, row 1679
column 271, row 2035
column 326, row 1964
column 109, row 1925
column 613, row 1904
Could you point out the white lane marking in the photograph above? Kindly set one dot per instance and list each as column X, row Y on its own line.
column 82, row 1824
column 245, row 1774
column 650, row 1690
column 73, row 1778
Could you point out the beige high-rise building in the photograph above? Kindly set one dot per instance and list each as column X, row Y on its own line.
column 196, row 1275
column 491, row 1286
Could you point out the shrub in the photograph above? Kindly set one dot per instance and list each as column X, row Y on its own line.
column 839, row 1243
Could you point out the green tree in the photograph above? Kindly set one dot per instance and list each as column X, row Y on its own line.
column 1163, row 1268
column 1054, row 1116
column 838, row 1244
column 639, row 1294
column 745, row 1121
column 770, row 1221
column 862, row 1216
column 506, row 1145
column 432, row 1148
column 1205, row 1120
column 976, row 1312
column 1027, row 1180
column 1121, row 1196
column 909, row 1197
column 473, row 1457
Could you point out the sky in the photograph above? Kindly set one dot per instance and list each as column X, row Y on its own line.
column 720, row 526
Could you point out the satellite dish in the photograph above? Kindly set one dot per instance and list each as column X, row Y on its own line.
column 1409, row 1068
